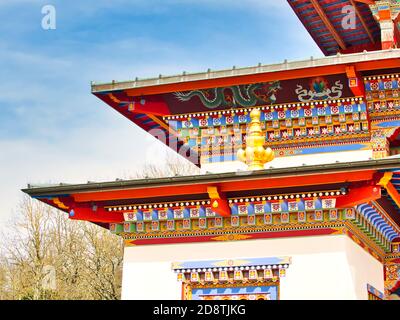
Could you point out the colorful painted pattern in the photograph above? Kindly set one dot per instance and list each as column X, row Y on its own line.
column 299, row 128
column 258, row 292
column 202, row 208
column 223, row 133
column 392, row 276
column 319, row 29
column 171, row 228
column 242, row 96
column 257, row 211
column 244, row 262
column 245, row 279
column 384, row 228
column 374, row 294
column 383, row 97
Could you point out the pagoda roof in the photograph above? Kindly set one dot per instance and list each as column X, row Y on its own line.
column 152, row 103
column 371, row 186
column 153, row 183
column 323, row 20
column 236, row 76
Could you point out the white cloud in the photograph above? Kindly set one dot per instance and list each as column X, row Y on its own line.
column 52, row 90
column 98, row 152
column 68, row 135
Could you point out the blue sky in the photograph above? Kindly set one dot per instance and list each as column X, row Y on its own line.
column 52, row 129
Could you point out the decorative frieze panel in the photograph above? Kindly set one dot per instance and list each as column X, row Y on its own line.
column 273, row 210
column 260, row 290
column 218, row 135
column 370, row 222
column 392, row 277
column 380, row 144
column 382, row 87
column 232, row 274
column 237, row 227
column 374, row 294
column 246, row 279
column 258, row 204
column 252, row 215
column 382, row 95
column 396, row 247
column 235, row 221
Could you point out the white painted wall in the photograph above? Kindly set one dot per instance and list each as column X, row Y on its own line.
column 324, row 267
column 293, row 161
column 363, row 269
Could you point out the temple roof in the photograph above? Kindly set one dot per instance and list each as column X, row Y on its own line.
column 323, row 20
column 364, row 184
column 210, row 78
column 153, row 103
column 58, row 190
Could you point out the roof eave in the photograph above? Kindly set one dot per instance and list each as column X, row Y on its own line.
column 286, row 66
column 214, row 178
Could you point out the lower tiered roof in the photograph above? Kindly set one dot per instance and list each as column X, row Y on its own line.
column 360, row 199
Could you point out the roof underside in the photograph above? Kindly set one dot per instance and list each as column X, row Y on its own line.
column 338, row 176
column 323, row 20
column 146, row 102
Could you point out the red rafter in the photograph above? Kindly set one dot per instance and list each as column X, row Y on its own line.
column 328, row 24
column 366, row 1
column 364, row 24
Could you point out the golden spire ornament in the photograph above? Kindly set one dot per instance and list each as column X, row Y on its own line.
column 255, row 155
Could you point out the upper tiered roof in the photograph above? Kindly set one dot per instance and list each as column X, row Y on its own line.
column 153, row 103
column 323, row 20
column 236, row 76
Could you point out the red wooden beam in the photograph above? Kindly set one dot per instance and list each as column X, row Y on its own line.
column 358, row 196
column 364, row 24
column 153, row 105
column 385, row 182
column 328, row 24
column 366, row 1
column 312, row 34
column 395, row 134
column 219, row 203
column 384, row 205
column 393, row 193
column 99, row 215
column 225, row 186
column 356, row 82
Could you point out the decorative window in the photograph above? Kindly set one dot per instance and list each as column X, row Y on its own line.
column 267, row 290
column 374, row 294
column 242, row 279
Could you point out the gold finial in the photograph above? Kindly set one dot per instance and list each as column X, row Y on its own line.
column 255, row 155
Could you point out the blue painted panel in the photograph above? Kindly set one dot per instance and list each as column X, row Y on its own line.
column 250, row 209
column 300, row 205
column 186, row 213
column 388, row 124
column 170, row 214
column 284, row 206
column 231, row 263
column 350, row 147
column 234, row 210
column 272, row 290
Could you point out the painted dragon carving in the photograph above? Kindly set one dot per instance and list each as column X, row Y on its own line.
column 242, row 95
